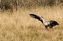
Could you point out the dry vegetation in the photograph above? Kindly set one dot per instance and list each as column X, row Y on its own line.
column 19, row 26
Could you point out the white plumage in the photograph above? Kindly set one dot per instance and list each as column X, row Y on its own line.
column 46, row 23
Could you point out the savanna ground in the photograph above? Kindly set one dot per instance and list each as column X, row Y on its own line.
column 19, row 26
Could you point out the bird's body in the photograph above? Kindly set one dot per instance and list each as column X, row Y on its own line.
column 45, row 22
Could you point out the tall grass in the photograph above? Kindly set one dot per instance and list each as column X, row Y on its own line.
column 15, row 4
column 19, row 26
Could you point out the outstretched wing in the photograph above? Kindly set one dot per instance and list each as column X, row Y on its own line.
column 46, row 23
column 54, row 23
column 36, row 17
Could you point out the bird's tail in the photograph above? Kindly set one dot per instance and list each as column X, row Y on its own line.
column 36, row 17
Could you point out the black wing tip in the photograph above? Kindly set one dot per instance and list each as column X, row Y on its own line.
column 57, row 23
column 54, row 22
column 33, row 15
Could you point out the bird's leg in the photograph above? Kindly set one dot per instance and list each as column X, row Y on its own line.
column 51, row 26
column 46, row 27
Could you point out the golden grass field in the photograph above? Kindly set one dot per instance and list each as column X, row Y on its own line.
column 19, row 26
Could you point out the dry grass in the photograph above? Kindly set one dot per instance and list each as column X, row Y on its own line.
column 19, row 26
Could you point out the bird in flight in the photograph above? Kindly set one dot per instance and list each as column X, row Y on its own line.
column 46, row 23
